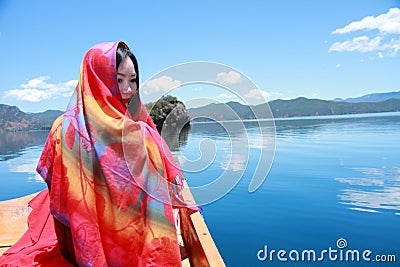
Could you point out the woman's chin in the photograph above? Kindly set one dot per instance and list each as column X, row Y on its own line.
column 126, row 100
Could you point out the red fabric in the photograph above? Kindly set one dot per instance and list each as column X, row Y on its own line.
column 111, row 178
column 38, row 246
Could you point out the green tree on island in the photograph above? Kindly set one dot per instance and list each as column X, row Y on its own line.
column 161, row 109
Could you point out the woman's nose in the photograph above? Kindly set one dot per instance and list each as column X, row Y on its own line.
column 126, row 88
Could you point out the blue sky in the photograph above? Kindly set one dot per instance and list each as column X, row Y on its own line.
column 315, row 49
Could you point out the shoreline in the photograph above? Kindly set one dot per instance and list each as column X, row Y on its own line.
column 320, row 117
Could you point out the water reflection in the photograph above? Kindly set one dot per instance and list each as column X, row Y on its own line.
column 26, row 165
column 217, row 129
column 236, row 162
column 174, row 137
column 379, row 190
column 12, row 144
column 346, row 124
column 226, row 142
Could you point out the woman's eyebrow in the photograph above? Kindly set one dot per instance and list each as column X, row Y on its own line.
column 122, row 74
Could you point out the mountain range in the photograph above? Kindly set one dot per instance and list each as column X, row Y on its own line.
column 371, row 103
column 375, row 97
column 13, row 119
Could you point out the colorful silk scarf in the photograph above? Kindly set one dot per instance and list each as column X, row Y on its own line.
column 110, row 174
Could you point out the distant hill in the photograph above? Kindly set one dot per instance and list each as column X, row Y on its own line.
column 47, row 116
column 13, row 119
column 228, row 111
column 376, row 97
column 316, row 107
column 291, row 108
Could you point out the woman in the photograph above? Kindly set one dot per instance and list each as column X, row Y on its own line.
column 110, row 176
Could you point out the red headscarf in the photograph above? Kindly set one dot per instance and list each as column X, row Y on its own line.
column 110, row 174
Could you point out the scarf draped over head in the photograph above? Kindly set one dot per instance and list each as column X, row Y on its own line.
column 110, row 174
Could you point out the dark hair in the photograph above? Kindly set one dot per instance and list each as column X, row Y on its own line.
column 122, row 52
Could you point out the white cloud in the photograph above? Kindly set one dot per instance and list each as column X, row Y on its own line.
column 261, row 95
column 37, row 83
column 393, row 45
column 256, row 94
column 38, row 89
column 385, row 41
column 361, row 43
column 385, row 23
column 160, row 85
column 224, row 96
column 230, row 77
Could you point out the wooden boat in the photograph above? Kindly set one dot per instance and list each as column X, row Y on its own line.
column 198, row 243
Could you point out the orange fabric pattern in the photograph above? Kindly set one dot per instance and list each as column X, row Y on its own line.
column 110, row 174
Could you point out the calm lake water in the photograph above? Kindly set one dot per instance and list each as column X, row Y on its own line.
column 333, row 189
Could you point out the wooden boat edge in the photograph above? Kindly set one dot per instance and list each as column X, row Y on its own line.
column 198, row 241
column 197, row 238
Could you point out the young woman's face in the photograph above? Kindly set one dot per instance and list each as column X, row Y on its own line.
column 126, row 77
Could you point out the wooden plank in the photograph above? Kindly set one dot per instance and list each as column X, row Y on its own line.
column 197, row 238
column 13, row 220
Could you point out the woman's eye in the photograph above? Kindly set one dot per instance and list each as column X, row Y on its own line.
column 133, row 80
column 119, row 80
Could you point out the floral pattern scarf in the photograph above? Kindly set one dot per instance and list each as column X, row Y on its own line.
column 110, row 175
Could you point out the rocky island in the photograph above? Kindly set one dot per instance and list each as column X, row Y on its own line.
column 167, row 111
